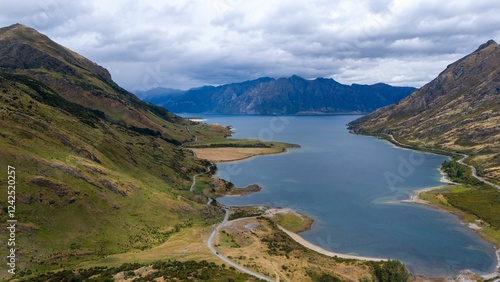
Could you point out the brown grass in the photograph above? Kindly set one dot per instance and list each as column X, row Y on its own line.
column 242, row 242
column 233, row 154
column 189, row 244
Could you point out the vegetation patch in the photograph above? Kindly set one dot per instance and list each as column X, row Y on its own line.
column 481, row 201
column 290, row 220
column 164, row 270
column 478, row 206
column 242, row 212
column 459, row 173
column 264, row 248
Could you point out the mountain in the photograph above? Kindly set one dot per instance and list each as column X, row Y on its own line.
column 459, row 111
column 97, row 171
column 293, row 95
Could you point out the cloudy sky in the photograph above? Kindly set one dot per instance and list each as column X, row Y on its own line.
column 183, row 44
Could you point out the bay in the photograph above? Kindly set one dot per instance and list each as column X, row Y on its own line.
column 353, row 187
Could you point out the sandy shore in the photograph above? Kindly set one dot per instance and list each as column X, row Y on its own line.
column 497, row 270
column 320, row 250
column 415, row 197
column 302, row 241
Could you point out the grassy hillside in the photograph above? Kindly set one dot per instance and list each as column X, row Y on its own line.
column 98, row 171
column 457, row 111
column 87, row 187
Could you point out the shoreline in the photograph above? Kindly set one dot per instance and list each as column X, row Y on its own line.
column 415, row 199
column 415, row 196
column 322, row 251
column 271, row 212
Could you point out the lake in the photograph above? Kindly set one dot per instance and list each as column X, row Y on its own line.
column 353, row 187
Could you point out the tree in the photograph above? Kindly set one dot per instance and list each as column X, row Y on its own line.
column 393, row 271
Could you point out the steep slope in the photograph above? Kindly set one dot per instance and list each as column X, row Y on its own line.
column 458, row 111
column 25, row 51
column 97, row 170
column 293, row 95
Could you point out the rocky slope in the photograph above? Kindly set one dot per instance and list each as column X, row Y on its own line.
column 293, row 95
column 459, row 111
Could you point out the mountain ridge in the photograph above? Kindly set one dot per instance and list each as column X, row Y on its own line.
column 292, row 95
column 25, row 51
column 459, row 111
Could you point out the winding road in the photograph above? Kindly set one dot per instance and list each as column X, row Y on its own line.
column 195, row 138
column 195, row 176
column 474, row 172
column 461, row 161
column 228, row 261
column 216, row 229
column 496, row 273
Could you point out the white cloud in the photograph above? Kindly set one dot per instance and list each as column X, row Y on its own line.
column 194, row 42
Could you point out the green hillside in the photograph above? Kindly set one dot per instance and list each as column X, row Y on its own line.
column 97, row 170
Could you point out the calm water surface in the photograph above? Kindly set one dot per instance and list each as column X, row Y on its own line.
column 352, row 186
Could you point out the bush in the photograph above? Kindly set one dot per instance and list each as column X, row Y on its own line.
column 393, row 271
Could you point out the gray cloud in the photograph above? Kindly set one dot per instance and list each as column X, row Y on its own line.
column 191, row 43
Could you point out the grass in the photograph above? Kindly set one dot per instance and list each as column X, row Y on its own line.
column 234, row 153
column 292, row 221
column 170, row 269
column 183, row 246
column 210, row 142
column 266, row 249
column 478, row 205
column 472, row 200
column 202, row 182
column 98, row 190
column 120, row 188
column 214, row 136
column 482, row 201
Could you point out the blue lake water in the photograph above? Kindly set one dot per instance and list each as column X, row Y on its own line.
column 352, row 186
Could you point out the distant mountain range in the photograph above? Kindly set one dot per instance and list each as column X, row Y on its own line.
column 459, row 111
column 293, row 95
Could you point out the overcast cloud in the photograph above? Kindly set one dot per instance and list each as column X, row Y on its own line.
column 183, row 44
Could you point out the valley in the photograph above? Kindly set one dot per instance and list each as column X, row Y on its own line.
column 109, row 187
